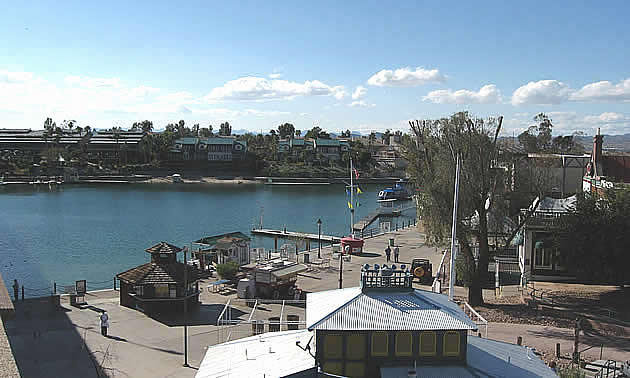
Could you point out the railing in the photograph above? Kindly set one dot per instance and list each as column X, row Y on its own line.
column 441, row 273
column 474, row 315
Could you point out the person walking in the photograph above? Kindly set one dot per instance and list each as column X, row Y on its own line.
column 388, row 253
column 16, row 289
column 104, row 323
column 396, row 253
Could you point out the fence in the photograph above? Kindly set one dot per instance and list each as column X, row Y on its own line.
column 62, row 288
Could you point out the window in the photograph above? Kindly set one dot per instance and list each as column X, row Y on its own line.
column 380, row 344
column 138, row 289
column 451, row 343
column 404, row 344
column 333, row 346
column 355, row 347
column 161, row 290
column 428, row 344
column 172, row 290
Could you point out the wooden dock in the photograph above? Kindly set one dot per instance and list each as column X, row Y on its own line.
column 371, row 217
column 281, row 234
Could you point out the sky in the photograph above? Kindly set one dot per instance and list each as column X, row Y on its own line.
column 359, row 65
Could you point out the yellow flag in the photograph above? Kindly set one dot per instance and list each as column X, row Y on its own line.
column 349, row 205
column 359, row 190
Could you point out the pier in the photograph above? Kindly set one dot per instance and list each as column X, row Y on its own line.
column 296, row 235
column 382, row 211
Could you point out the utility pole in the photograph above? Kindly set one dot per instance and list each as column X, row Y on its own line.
column 185, row 309
column 347, row 249
column 351, row 201
column 319, row 238
column 451, row 289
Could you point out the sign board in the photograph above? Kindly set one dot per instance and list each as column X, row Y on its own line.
column 81, row 287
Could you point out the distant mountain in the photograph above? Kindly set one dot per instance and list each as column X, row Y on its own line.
column 611, row 142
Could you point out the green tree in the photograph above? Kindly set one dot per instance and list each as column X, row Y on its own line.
column 225, row 129
column 537, row 138
column 432, row 161
column 594, row 238
column 317, row 132
column 298, row 133
column 286, row 130
column 386, row 136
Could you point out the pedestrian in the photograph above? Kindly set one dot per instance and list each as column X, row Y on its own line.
column 16, row 289
column 388, row 253
column 396, row 253
column 104, row 323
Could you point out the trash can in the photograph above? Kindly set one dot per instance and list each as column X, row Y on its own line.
column 292, row 321
column 274, row 324
column 391, row 242
column 306, row 258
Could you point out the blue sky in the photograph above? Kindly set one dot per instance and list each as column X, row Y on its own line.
column 364, row 66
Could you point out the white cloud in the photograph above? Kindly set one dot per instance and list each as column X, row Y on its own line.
column 261, row 89
column 15, row 77
column 361, row 104
column 488, row 94
column 566, row 123
column 406, row 77
column 605, row 117
column 359, row 92
column 604, row 91
column 275, row 75
column 541, row 92
column 93, row 82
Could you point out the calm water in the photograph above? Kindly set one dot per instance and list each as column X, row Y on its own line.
column 94, row 232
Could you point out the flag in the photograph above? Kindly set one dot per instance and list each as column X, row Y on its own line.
column 349, row 205
column 359, row 190
column 356, row 173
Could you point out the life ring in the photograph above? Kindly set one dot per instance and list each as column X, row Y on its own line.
column 418, row 272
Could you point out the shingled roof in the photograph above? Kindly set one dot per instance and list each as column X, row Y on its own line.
column 163, row 247
column 153, row 273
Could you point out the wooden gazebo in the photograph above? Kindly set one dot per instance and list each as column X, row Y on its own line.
column 158, row 286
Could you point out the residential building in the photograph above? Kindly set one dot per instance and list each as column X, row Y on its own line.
column 214, row 149
column 605, row 170
column 161, row 285
column 330, row 149
column 230, row 247
column 384, row 328
column 539, row 259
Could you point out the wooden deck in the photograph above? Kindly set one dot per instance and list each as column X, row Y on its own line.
column 292, row 234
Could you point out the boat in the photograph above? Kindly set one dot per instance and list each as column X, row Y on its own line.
column 397, row 192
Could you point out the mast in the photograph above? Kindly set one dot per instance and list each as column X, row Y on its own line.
column 351, row 202
column 451, row 277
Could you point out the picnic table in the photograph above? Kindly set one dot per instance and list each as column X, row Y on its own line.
column 217, row 286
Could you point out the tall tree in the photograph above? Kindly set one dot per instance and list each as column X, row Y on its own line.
column 298, row 133
column 225, row 129
column 537, row 138
column 286, row 130
column 432, row 157
column 346, row 134
column 317, row 132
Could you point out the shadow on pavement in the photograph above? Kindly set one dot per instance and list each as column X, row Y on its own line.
column 44, row 340
column 204, row 314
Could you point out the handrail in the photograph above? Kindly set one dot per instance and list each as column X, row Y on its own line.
column 439, row 270
column 482, row 321
column 219, row 319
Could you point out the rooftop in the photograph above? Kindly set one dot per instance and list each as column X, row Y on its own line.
column 163, row 247
column 211, row 241
column 273, row 354
column 484, row 358
column 153, row 273
column 384, row 302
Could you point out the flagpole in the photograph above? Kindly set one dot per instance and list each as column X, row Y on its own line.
column 453, row 271
column 351, row 202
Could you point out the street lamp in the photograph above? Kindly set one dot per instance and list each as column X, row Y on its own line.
column 319, row 238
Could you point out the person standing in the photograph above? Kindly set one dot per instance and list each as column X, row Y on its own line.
column 388, row 253
column 396, row 253
column 16, row 289
column 104, row 323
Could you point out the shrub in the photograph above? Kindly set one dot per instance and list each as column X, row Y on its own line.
column 228, row 270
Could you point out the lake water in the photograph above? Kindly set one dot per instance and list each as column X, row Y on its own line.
column 94, row 232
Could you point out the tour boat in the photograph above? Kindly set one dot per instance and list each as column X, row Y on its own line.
column 397, row 192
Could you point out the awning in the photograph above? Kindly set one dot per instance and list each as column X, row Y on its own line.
column 289, row 270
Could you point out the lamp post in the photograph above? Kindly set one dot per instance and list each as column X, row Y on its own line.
column 185, row 309
column 319, row 238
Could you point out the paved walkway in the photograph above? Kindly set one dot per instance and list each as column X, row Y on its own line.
column 68, row 343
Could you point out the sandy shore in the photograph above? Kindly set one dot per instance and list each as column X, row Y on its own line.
column 202, row 180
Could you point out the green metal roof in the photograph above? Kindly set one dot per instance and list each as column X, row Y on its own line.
column 327, row 142
column 187, row 140
column 213, row 240
column 218, row 141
